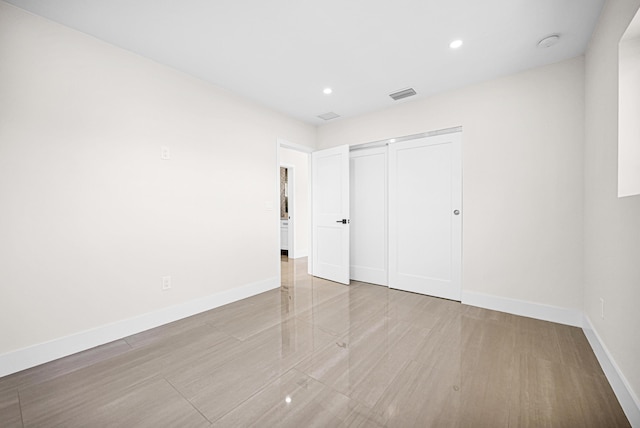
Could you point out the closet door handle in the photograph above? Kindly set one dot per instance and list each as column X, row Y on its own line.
column 343, row 221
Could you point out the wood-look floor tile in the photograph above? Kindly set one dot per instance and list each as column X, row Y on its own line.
column 55, row 401
column 230, row 310
column 541, row 343
column 399, row 351
column 202, row 353
column 289, row 343
column 251, row 320
column 575, row 349
column 303, row 295
column 149, row 404
column 62, row 366
column 538, row 339
column 409, row 310
column 440, row 315
column 487, row 314
column 217, row 389
column 527, row 323
column 364, row 361
column 422, row 396
column 10, row 415
column 289, row 401
column 166, row 331
column 487, row 371
column 347, row 311
column 192, row 367
column 226, row 387
column 442, row 345
column 362, row 416
column 547, row 393
column 272, row 308
column 598, row 403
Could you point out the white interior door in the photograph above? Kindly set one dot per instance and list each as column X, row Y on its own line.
column 330, row 207
column 425, row 196
column 368, row 208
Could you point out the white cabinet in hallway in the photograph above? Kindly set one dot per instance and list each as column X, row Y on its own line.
column 284, row 234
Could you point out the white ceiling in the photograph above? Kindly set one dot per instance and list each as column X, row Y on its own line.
column 633, row 30
column 282, row 53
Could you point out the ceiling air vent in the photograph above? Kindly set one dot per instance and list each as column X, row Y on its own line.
column 328, row 116
column 403, row 94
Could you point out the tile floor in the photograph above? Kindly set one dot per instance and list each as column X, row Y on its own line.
column 315, row 353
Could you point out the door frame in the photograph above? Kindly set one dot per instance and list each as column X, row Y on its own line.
column 283, row 143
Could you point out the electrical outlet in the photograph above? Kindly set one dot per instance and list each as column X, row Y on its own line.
column 165, row 153
column 602, row 307
column 166, row 283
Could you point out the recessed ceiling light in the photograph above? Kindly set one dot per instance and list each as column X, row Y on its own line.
column 393, row 140
column 327, row 91
column 455, row 44
column 549, row 41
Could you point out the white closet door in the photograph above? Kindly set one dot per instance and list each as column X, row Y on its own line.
column 425, row 195
column 368, row 208
column 330, row 208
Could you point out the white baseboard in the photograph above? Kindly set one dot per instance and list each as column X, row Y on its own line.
column 572, row 317
column 626, row 397
column 41, row 353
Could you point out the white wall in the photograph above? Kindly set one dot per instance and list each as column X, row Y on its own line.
column 300, row 161
column 91, row 217
column 612, row 224
column 522, row 177
column 628, row 119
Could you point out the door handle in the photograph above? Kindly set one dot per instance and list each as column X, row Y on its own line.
column 343, row 221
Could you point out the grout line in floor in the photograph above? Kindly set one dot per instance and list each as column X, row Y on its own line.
column 186, row 399
column 20, row 407
column 258, row 391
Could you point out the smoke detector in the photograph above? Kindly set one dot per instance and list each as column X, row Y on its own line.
column 328, row 116
column 549, row 41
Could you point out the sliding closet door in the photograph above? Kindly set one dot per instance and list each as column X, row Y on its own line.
column 368, row 209
column 425, row 195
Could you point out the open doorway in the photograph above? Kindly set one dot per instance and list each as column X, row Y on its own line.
column 294, row 222
column 287, row 220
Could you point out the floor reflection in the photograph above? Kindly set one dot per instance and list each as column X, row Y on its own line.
column 318, row 353
column 411, row 360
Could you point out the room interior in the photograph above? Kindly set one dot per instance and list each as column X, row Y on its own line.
column 136, row 194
